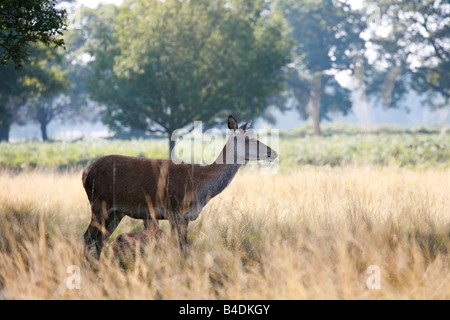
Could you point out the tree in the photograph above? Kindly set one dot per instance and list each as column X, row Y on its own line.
column 46, row 82
column 30, row 91
column 97, row 39
column 170, row 63
column 414, row 53
column 12, row 91
column 327, row 37
column 23, row 23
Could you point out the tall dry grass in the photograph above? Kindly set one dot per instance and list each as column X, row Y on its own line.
column 309, row 234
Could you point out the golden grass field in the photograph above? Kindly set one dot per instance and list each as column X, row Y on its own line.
column 312, row 233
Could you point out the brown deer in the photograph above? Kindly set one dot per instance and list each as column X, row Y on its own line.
column 130, row 242
column 162, row 189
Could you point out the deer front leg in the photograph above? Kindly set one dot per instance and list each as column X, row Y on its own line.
column 179, row 228
column 182, row 229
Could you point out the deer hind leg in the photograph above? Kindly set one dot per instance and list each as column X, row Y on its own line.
column 103, row 224
column 90, row 237
column 94, row 229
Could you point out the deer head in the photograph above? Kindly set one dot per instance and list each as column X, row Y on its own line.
column 241, row 146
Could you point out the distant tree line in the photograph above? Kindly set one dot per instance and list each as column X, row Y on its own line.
column 153, row 66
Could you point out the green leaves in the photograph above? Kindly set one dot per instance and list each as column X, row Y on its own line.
column 326, row 38
column 23, row 23
column 417, row 45
column 178, row 61
column 25, row 93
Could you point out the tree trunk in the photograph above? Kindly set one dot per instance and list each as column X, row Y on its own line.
column 314, row 100
column 171, row 146
column 44, row 131
column 388, row 86
column 171, row 143
column 360, row 105
column 4, row 133
column 44, row 116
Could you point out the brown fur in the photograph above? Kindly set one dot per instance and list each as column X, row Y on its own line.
column 152, row 189
column 131, row 242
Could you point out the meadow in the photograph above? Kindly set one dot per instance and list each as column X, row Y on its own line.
column 342, row 209
column 406, row 147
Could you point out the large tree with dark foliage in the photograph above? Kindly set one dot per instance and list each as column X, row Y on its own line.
column 169, row 63
column 30, row 92
column 414, row 53
column 327, row 38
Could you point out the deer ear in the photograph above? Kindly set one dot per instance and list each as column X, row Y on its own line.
column 246, row 125
column 232, row 123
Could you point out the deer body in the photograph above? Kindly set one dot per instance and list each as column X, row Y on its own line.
column 158, row 189
column 183, row 188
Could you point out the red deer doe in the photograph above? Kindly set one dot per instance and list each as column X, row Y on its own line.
column 162, row 189
column 127, row 243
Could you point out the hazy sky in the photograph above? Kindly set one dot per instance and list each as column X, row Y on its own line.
column 357, row 4
column 94, row 3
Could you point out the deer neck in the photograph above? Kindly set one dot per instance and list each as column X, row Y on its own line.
column 222, row 172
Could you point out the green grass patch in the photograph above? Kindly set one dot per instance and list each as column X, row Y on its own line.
column 416, row 147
